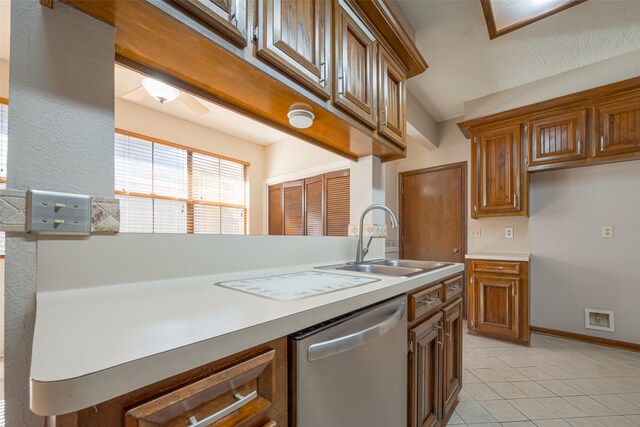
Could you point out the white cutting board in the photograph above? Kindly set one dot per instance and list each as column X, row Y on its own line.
column 295, row 286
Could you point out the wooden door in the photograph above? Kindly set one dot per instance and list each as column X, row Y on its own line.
column 314, row 206
column 433, row 213
column 558, row 138
column 424, row 373
column 275, row 209
column 496, row 305
column 391, row 98
column 293, row 208
column 226, row 16
column 294, row 36
column 337, row 190
column 618, row 127
column 354, row 65
column 495, row 160
column 452, row 356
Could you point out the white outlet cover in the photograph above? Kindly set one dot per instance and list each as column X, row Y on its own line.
column 607, row 231
column 475, row 232
column 508, row 233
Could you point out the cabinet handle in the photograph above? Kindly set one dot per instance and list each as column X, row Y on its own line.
column 475, row 208
column 579, row 146
column 453, row 287
column 513, row 291
column 448, row 322
column 495, row 267
column 426, row 300
column 601, row 143
column 242, row 400
column 456, row 250
column 515, row 201
column 438, row 327
column 341, row 86
column 323, row 74
column 270, row 424
column 385, row 120
column 232, row 17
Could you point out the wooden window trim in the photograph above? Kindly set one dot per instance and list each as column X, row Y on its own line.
column 4, row 101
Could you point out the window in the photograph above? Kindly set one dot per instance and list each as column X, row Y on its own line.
column 167, row 188
column 4, row 131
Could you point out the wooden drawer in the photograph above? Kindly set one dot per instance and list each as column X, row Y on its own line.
column 502, row 267
column 425, row 302
column 453, row 287
column 228, row 397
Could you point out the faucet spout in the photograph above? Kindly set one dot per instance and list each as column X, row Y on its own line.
column 362, row 250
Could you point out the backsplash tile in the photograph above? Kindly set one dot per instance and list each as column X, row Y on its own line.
column 105, row 215
column 370, row 230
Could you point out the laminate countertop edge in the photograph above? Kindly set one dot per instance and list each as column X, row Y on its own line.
column 92, row 345
column 500, row 256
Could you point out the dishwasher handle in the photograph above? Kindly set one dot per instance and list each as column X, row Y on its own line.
column 339, row 345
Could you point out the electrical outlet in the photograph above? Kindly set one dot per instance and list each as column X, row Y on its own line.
column 508, row 233
column 607, row 231
column 475, row 232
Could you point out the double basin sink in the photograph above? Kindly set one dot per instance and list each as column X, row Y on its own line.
column 391, row 267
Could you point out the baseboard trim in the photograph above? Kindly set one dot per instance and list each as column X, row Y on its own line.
column 587, row 338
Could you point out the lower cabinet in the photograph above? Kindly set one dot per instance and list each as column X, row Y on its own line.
column 248, row 389
column 435, row 358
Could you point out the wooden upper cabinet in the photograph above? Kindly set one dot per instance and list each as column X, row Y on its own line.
column 275, row 209
column 226, row 16
column 618, row 127
column 337, row 190
column 354, row 68
column 558, row 138
column 293, row 208
column 391, row 98
column 294, row 36
column 496, row 172
column 314, row 211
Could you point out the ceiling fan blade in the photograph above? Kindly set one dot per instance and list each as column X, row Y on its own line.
column 137, row 94
column 192, row 103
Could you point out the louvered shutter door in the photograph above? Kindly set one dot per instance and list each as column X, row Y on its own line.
column 337, row 200
column 314, row 198
column 293, row 208
column 275, row 209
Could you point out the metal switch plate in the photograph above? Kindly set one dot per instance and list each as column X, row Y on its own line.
column 50, row 212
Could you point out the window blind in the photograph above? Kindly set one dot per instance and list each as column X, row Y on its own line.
column 4, row 139
column 165, row 188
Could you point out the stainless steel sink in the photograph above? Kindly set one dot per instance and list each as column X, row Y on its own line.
column 390, row 267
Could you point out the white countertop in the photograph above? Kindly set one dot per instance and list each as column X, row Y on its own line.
column 500, row 256
column 91, row 345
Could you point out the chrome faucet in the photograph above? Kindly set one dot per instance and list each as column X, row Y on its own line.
column 362, row 251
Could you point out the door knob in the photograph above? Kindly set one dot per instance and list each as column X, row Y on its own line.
column 456, row 250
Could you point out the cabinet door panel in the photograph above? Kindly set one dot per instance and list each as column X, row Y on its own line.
column 558, row 138
column 275, row 209
column 496, row 163
column 496, row 305
column 293, row 36
column 314, row 211
column 452, row 356
column 355, row 73
column 618, row 127
column 337, row 187
column 391, row 97
column 293, row 208
column 227, row 16
column 424, row 373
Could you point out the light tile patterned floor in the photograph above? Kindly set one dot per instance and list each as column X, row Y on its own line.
column 553, row 383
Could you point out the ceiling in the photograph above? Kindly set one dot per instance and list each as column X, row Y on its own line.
column 5, row 28
column 218, row 118
column 464, row 64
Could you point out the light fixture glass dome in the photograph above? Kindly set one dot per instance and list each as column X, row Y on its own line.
column 160, row 90
column 301, row 119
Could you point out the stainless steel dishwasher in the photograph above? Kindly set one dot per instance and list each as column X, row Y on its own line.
column 352, row 371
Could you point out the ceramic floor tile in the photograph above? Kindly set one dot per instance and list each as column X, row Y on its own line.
column 472, row 412
column 508, row 391
column 493, row 362
column 618, row 421
column 512, row 374
column 556, row 422
column 616, row 384
column 633, row 398
column 557, row 372
column 481, row 391
column 532, row 409
column 476, row 352
column 533, row 389
column 474, row 362
column 485, row 425
column 619, row 405
column 468, row 377
column 560, row 388
column 455, row 419
column 634, row 418
column 561, row 407
column 585, row 387
column 584, row 422
column 503, row 411
column 534, row 373
column 487, row 375
column 518, row 424
column 590, row 406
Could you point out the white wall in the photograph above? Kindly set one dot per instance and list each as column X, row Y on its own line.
column 454, row 148
column 4, row 93
column 135, row 118
column 573, row 267
column 290, row 156
column 61, row 121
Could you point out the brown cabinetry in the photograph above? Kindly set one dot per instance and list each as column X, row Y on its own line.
column 391, row 98
column 618, row 127
column 558, row 138
column 435, row 353
column 496, row 172
column 355, row 52
column 248, row 389
column 315, row 206
column 294, row 36
column 498, row 299
column 229, row 17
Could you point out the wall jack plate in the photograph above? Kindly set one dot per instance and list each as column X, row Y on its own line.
column 54, row 213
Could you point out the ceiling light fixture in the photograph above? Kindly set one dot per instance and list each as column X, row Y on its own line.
column 159, row 90
column 300, row 119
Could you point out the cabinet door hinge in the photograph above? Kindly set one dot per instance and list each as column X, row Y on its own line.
column 254, row 33
column 410, row 346
column 475, row 140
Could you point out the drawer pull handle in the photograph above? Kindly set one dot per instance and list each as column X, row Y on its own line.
column 453, row 287
column 242, row 400
column 495, row 267
column 426, row 300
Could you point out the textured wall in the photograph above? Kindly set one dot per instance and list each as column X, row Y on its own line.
column 61, row 128
column 573, row 267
